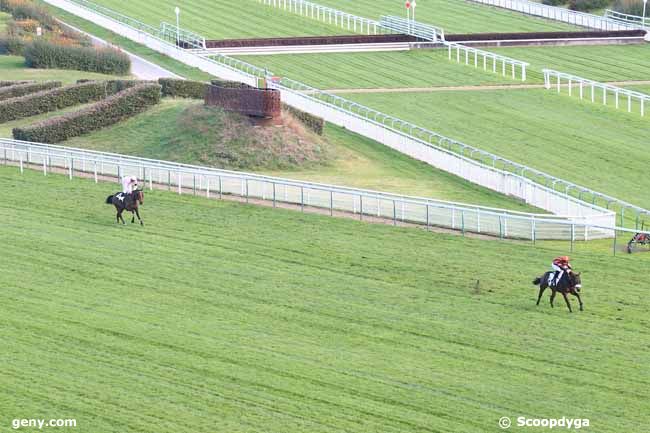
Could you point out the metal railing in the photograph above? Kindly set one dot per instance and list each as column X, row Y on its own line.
column 560, row 14
column 590, row 86
column 181, row 36
column 489, row 61
column 409, row 27
column 625, row 18
column 582, row 195
column 376, row 205
column 344, row 20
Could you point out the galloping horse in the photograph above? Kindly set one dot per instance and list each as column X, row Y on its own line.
column 570, row 283
column 128, row 202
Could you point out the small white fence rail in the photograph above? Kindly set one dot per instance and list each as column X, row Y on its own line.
column 489, row 61
column 344, row 20
column 499, row 174
column 585, row 86
column 170, row 32
column 560, row 14
column 625, row 18
column 215, row 183
column 409, row 27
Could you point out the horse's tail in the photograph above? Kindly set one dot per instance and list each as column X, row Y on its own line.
column 537, row 281
column 109, row 199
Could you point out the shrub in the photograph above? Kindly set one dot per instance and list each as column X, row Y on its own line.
column 183, row 88
column 230, row 84
column 632, row 7
column 13, row 83
column 12, row 45
column 555, row 2
column 99, row 115
column 46, row 55
column 56, row 99
column 15, row 91
column 587, row 5
column 22, row 10
column 312, row 122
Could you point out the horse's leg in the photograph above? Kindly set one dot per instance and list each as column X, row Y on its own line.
column 552, row 297
column 577, row 295
column 132, row 217
column 566, row 299
column 138, row 214
column 542, row 288
column 119, row 214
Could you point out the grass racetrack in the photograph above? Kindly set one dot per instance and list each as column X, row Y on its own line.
column 223, row 317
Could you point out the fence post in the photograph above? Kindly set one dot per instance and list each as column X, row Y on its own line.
column 180, row 182
column 302, row 198
column 273, row 194
column 394, row 213
column 615, row 239
column 194, row 184
column 331, row 203
column 95, row 171
column 169, row 180
column 428, row 220
column 20, row 157
column 207, row 187
column 70, row 168
column 247, row 178
column 44, row 166
column 220, row 188
column 462, row 222
column 360, row 207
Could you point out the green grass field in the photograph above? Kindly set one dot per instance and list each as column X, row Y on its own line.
column 432, row 68
column 590, row 144
column 13, row 68
column 218, row 316
column 356, row 162
column 453, row 16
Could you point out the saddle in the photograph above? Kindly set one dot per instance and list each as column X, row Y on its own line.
column 551, row 278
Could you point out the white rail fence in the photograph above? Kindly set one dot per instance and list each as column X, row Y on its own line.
column 535, row 187
column 625, row 18
column 489, row 61
column 588, row 89
column 215, row 183
column 343, row 20
column 401, row 25
column 560, row 14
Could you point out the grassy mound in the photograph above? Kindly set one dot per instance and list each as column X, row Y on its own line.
column 210, row 136
column 256, row 319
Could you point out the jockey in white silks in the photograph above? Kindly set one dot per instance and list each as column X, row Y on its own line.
column 129, row 183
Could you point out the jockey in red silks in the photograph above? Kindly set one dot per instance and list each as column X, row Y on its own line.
column 560, row 265
column 129, row 183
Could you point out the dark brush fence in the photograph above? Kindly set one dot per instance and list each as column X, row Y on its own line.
column 543, row 35
column 63, row 97
column 18, row 90
column 248, row 101
column 14, row 83
column 104, row 113
column 310, row 40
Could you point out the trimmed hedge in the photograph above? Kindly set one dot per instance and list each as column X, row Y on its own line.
column 14, row 83
column 99, row 115
column 554, row 2
column 56, row 99
column 230, row 84
column 18, row 90
column 587, row 5
column 12, row 45
column 46, row 55
column 183, row 88
column 315, row 123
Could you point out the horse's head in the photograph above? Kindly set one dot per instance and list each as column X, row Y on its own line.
column 575, row 280
column 138, row 195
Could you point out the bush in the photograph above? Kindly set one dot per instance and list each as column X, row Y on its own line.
column 183, row 88
column 555, row 2
column 22, row 10
column 587, row 5
column 99, row 115
column 632, row 7
column 56, row 99
column 13, row 83
column 12, row 45
column 312, row 122
column 230, row 84
column 46, row 55
column 15, row 91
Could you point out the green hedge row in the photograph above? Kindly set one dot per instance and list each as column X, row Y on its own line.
column 99, row 115
column 18, row 90
column 47, row 55
column 316, row 124
column 4, row 83
column 183, row 88
column 230, row 84
column 587, row 5
column 56, row 99
column 10, row 45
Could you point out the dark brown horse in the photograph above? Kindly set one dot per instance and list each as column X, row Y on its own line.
column 570, row 283
column 127, row 202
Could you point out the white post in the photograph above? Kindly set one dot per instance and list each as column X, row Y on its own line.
column 177, row 10
column 645, row 2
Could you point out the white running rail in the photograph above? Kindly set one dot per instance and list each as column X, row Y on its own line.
column 343, row 20
column 426, row 32
column 489, row 61
column 210, row 182
column 560, row 14
column 625, row 18
column 587, row 89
